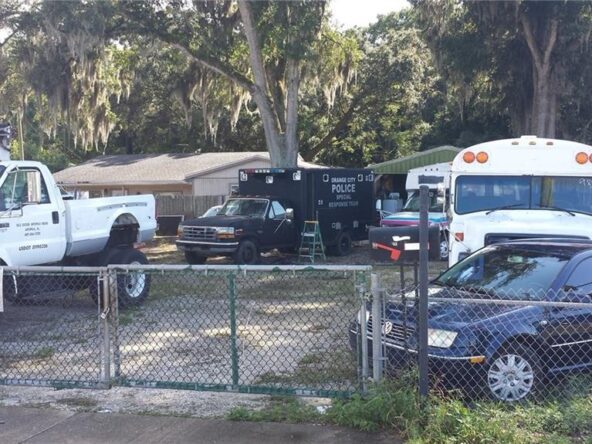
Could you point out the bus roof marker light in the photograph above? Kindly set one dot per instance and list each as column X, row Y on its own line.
column 469, row 157
column 482, row 157
column 581, row 158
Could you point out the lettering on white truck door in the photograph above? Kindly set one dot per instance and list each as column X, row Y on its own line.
column 29, row 234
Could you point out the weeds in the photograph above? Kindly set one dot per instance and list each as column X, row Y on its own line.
column 395, row 405
column 280, row 409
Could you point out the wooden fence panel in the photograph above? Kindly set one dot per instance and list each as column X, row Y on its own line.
column 186, row 206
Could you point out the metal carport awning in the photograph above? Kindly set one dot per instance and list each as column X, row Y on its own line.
column 422, row 158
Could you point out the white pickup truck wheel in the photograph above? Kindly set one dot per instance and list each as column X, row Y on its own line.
column 133, row 287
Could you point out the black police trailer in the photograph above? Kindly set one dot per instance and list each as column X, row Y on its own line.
column 272, row 206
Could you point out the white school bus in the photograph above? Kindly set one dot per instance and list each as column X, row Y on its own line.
column 519, row 188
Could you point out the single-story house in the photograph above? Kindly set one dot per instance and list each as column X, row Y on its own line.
column 207, row 174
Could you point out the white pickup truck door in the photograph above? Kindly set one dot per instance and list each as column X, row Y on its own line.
column 32, row 223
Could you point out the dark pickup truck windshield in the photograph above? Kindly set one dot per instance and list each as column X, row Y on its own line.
column 244, row 207
column 483, row 193
column 509, row 273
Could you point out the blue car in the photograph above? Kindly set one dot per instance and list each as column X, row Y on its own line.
column 504, row 320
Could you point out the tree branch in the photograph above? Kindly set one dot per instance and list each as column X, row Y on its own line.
column 255, row 55
column 531, row 42
column 215, row 66
column 8, row 37
column 551, row 41
column 337, row 128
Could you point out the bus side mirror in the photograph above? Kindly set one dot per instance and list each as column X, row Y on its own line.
column 290, row 213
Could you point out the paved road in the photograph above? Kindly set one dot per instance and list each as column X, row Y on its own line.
column 31, row 425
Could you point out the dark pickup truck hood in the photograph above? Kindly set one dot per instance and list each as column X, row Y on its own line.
column 223, row 221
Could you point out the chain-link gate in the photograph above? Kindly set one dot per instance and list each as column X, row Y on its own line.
column 249, row 329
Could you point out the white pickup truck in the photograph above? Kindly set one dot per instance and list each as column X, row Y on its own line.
column 38, row 226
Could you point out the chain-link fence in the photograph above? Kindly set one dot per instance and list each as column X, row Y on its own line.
column 50, row 329
column 253, row 329
column 491, row 342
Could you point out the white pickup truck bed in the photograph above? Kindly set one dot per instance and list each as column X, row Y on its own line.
column 89, row 221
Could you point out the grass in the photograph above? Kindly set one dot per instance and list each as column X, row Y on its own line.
column 279, row 409
column 395, row 405
column 44, row 353
column 335, row 367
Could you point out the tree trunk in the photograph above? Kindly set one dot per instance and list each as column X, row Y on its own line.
column 281, row 155
column 543, row 119
column 291, row 137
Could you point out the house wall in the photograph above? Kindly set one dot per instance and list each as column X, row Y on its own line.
column 218, row 182
column 96, row 190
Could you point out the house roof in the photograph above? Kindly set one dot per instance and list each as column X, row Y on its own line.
column 402, row 165
column 155, row 169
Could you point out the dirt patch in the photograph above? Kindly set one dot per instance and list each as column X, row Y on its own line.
column 131, row 400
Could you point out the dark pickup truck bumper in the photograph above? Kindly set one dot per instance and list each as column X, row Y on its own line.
column 207, row 248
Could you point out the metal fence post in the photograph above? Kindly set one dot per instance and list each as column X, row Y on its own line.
column 364, row 336
column 423, row 290
column 376, row 328
column 114, row 322
column 233, row 347
column 104, row 321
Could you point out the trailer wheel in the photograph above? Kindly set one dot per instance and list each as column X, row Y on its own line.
column 133, row 287
column 343, row 246
column 247, row 253
column 193, row 258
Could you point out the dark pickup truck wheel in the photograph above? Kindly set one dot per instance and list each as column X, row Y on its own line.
column 194, row 258
column 247, row 253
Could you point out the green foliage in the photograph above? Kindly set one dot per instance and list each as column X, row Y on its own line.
column 279, row 409
column 393, row 405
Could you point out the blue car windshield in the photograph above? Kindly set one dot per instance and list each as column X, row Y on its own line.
column 506, row 272
column 482, row 193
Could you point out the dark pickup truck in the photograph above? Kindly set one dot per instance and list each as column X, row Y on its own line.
column 271, row 209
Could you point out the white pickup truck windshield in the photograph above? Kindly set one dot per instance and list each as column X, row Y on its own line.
column 482, row 193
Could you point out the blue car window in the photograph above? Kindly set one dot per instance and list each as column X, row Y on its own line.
column 582, row 274
column 506, row 272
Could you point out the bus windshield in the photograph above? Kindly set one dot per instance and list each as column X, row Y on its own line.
column 483, row 193
column 436, row 202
